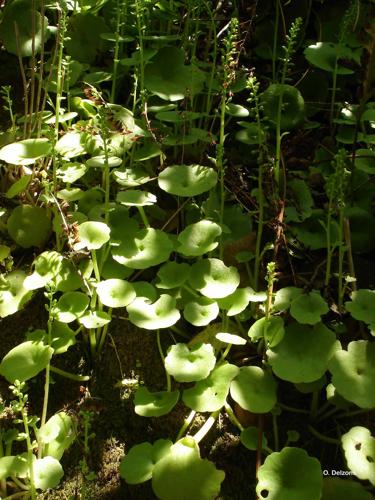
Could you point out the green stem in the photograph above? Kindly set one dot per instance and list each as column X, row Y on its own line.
column 329, row 244
column 160, row 349
column 292, row 409
column 206, row 427
column 220, row 167
column 322, row 437
column 116, row 59
column 143, row 215
column 353, row 413
column 71, row 376
column 59, row 87
column 232, row 417
column 95, row 266
column 30, row 455
column 187, row 422
column 341, row 260
column 260, row 227
column 104, row 333
column 47, row 379
column 333, row 96
column 327, row 414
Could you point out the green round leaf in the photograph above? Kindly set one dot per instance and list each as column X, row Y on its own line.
column 187, row 180
column 29, row 226
column 70, row 145
column 25, row 152
column 359, row 449
column 353, row 373
column 236, row 302
column 115, row 292
column 31, row 28
column 284, row 297
column 148, row 247
column 254, row 389
column 57, row 434
column 326, row 55
column 199, row 238
column 183, row 474
column 146, row 290
column 304, row 353
column 249, row 438
column 169, row 78
column 236, row 110
column 308, row 308
column 83, row 41
column 47, row 473
column 172, row 275
column 190, row 364
column 290, row 474
column 137, row 466
column 250, row 133
column 46, row 266
column 213, row 278
column 13, row 465
column 25, row 361
column 210, row 394
column 70, row 306
column 317, row 385
column 19, row 186
column 62, row 337
column 93, row 235
column 136, row 198
column 271, row 330
column 201, row 311
column 13, row 293
column 101, row 161
column 293, row 105
column 335, row 488
column 67, row 279
column 131, row 177
column 229, row 338
column 154, row 404
column 362, row 305
column 365, row 160
column 160, row 314
column 71, row 172
column 94, row 319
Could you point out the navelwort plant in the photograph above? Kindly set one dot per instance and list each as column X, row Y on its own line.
column 116, row 182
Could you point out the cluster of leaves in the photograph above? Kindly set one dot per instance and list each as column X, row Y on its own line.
column 129, row 206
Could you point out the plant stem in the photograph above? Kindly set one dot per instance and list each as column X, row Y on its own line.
column 292, row 409
column 340, row 292
column 30, row 455
column 322, row 437
column 143, row 215
column 47, row 376
column 59, row 86
column 232, row 417
column 206, row 426
column 160, row 349
column 71, row 376
column 187, row 422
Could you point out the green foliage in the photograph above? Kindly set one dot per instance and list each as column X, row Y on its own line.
column 162, row 186
column 290, row 473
